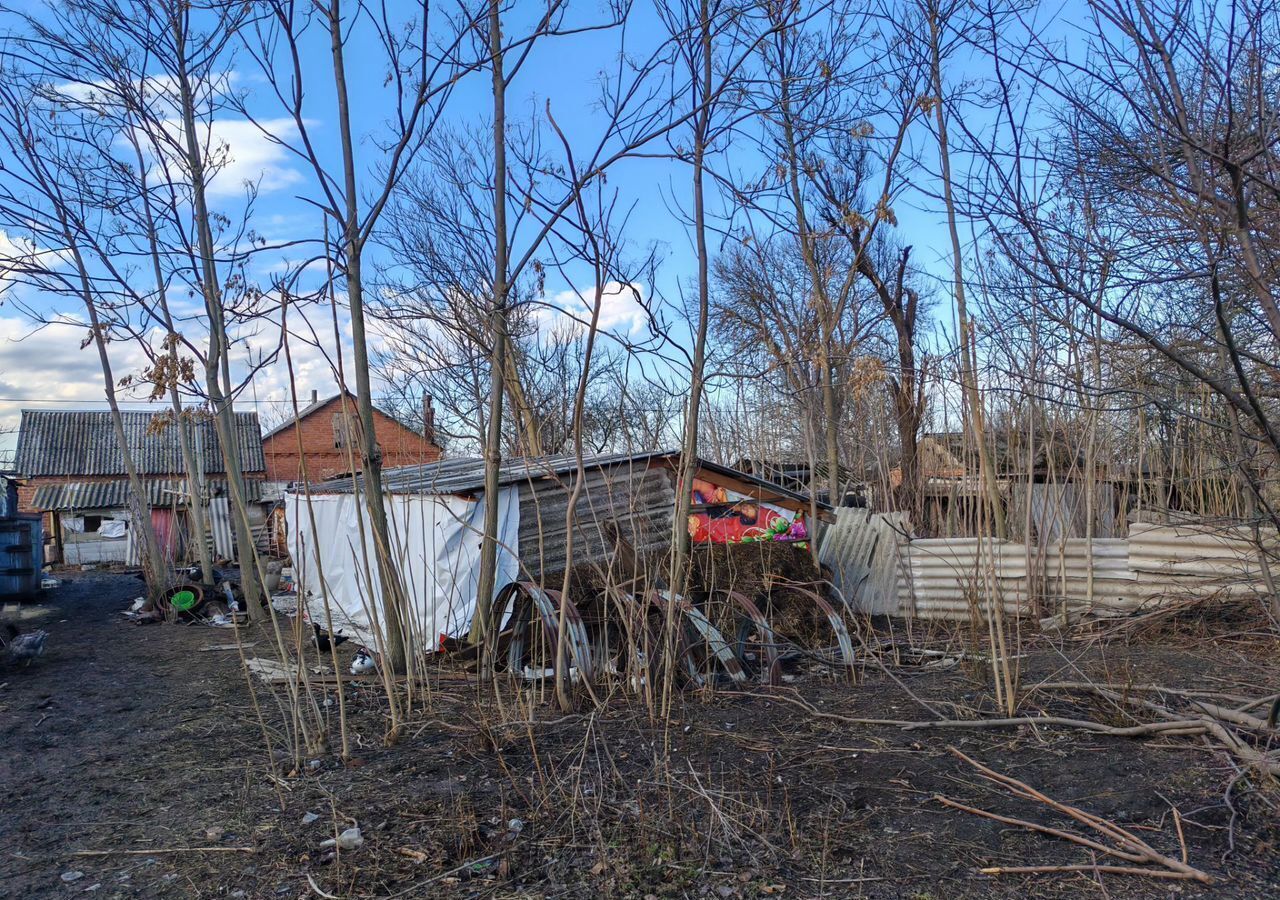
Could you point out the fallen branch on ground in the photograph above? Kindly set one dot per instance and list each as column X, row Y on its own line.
column 1128, row 846
column 1175, row 724
column 160, row 850
column 1210, row 720
column 1183, row 726
column 1084, row 867
column 1131, row 688
column 1234, row 716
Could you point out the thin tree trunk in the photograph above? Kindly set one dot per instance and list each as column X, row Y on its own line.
column 195, row 481
column 563, row 697
column 139, row 507
column 909, row 455
column 195, row 487
column 153, row 568
column 830, row 412
column 219, row 400
column 968, row 361
column 498, row 342
column 907, row 391
column 531, row 436
column 395, row 650
column 689, row 445
column 821, row 299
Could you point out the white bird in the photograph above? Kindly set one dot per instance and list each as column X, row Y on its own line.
column 363, row 662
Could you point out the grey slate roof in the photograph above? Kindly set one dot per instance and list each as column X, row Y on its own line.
column 465, row 475
column 53, row 442
column 161, row 493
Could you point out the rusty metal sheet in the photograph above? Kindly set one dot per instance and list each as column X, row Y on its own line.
column 837, row 626
column 550, row 602
column 528, row 598
column 773, row 670
column 720, row 648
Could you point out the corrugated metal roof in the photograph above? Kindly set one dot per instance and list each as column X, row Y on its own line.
column 465, row 475
column 52, row 442
column 115, row 494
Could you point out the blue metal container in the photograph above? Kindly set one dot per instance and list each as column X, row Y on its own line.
column 21, row 546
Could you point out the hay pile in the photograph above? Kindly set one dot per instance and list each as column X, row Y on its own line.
column 762, row 572
column 751, row 569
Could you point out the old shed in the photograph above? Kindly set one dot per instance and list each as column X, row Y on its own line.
column 75, row 476
column 622, row 524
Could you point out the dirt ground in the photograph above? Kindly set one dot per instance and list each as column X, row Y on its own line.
column 136, row 744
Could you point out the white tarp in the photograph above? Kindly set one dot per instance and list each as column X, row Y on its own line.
column 435, row 545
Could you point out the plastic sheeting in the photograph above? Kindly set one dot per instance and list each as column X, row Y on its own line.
column 435, row 546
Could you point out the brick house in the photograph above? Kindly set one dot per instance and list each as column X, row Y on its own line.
column 329, row 441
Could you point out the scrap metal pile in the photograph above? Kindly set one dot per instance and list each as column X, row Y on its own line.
column 716, row 636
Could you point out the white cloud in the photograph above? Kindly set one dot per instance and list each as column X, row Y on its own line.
column 245, row 151
column 621, row 312
column 20, row 253
column 240, row 152
column 314, row 359
column 252, row 156
column 45, row 368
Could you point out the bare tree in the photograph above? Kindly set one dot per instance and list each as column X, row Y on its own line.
column 944, row 22
column 156, row 74
column 900, row 294
column 423, row 66
column 47, row 192
column 1154, row 209
column 712, row 45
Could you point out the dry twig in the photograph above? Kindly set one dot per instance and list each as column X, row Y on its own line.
column 160, row 850
column 1128, row 846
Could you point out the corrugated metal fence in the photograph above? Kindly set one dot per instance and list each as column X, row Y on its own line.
column 948, row 578
column 859, row 549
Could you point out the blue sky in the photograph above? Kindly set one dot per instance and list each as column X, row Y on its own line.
column 45, row 367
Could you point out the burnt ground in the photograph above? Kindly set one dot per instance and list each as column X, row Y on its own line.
column 135, row 742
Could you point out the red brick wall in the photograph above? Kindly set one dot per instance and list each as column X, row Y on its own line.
column 400, row 446
column 26, row 493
